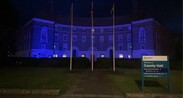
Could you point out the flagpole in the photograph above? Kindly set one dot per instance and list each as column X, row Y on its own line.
column 92, row 31
column 71, row 37
column 114, row 38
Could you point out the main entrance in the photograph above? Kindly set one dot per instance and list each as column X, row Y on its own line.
column 111, row 53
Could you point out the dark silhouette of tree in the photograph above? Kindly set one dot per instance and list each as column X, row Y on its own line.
column 178, row 46
column 8, row 25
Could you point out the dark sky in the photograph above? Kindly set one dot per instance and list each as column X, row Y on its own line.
column 167, row 12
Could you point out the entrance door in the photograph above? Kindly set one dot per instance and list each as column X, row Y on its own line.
column 111, row 53
column 74, row 53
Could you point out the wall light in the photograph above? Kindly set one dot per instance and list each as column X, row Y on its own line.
column 82, row 55
column 64, row 55
column 120, row 55
column 102, row 55
column 129, row 56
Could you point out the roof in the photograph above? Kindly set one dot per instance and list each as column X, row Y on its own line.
column 84, row 21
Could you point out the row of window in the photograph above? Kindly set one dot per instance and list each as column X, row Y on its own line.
column 101, row 38
column 101, row 55
column 83, row 38
column 65, row 46
column 44, row 36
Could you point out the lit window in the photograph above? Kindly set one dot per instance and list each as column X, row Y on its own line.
column 82, row 55
column 120, row 55
column 64, row 55
column 129, row 56
column 55, row 55
column 102, row 55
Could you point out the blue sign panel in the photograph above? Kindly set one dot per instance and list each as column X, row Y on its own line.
column 155, row 66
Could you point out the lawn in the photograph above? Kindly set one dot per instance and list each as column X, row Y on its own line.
column 126, row 80
column 129, row 81
column 36, row 78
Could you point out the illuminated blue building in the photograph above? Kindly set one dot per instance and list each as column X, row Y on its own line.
column 51, row 37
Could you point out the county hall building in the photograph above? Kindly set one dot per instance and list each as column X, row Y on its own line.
column 47, row 36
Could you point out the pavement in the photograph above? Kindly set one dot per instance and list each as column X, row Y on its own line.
column 95, row 82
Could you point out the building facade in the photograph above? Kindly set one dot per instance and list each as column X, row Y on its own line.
column 47, row 38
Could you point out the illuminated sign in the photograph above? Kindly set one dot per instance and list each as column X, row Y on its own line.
column 154, row 66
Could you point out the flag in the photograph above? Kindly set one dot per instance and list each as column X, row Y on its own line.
column 112, row 9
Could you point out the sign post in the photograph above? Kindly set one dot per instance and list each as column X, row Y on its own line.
column 155, row 66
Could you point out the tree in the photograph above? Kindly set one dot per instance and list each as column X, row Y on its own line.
column 8, row 25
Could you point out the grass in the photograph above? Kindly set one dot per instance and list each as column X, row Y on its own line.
column 36, row 78
column 126, row 80
column 129, row 81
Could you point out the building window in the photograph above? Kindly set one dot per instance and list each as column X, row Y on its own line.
column 110, row 38
column 43, row 46
column 101, row 39
column 120, row 47
column 74, row 38
column 65, row 46
column 83, row 39
column 120, row 38
column 44, row 34
column 142, row 35
column 56, row 47
column 65, row 38
column 128, row 37
column 142, row 47
column 56, row 37
column 129, row 46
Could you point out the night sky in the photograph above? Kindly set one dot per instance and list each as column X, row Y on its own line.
column 167, row 12
column 15, row 13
